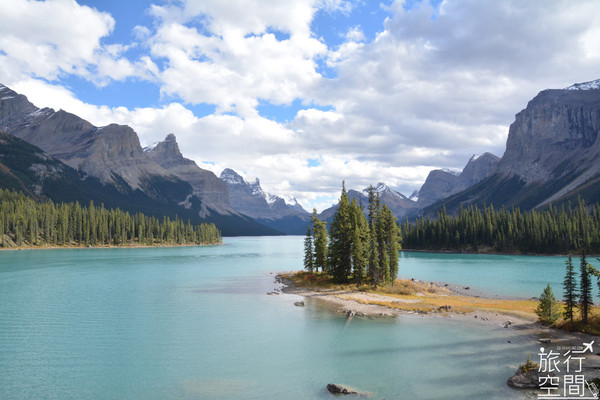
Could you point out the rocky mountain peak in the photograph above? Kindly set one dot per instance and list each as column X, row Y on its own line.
column 231, row 177
column 166, row 151
column 441, row 183
column 205, row 184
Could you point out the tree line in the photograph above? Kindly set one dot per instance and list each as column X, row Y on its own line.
column 577, row 293
column 357, row 248
column 25, row 221
column 550, row 231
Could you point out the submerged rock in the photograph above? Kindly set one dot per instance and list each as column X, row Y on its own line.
column 340, row 389
column 299, row 304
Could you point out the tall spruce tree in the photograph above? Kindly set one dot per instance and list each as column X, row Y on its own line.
column 570, row 291
column 309, row 253
column 391, row 243
column 373, row 266
column 320, row 239
column 585, row 293
column 340, row 240
column 360, row 242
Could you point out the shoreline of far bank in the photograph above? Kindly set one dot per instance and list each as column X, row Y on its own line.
column 496, row 253
column 132, row 246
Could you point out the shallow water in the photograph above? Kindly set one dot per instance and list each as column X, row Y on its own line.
column 196, row 323
column 503, row 275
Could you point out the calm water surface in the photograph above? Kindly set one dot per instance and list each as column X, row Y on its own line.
column 196, row 323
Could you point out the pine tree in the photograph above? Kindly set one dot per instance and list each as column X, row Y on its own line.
column 309, row 260
column 340, row 240
column 548, row 310
column 360, row 242
column 373, row 267
column 585, row 291
column 570, row 291
column 320, row 239
column 392, row 243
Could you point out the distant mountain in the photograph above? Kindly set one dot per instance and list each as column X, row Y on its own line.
column 273, row 211
column 211, row 190
column 107, row 164
column 399, row 204
column 441, row 183
column 552, row 154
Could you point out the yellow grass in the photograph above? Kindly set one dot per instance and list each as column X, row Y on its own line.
column 429, row 298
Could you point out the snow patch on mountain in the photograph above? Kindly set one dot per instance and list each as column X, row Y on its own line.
column 151, row 147
column 453, row 171
column 591, row 85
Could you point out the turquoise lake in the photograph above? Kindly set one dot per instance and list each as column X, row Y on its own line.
column 196, row 323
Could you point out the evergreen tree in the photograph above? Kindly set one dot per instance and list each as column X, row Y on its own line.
column 320, row 239
column 309, row 257
column 392, row 243
column 548, row 310
column 570, row 291
column 340, row 240
column 360, row 242
column 373, row 270
column 585, row 289
column 36, row 223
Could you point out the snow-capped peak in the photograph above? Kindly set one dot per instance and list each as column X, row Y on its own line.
column 382, row 189
column 591, row 85
column 230, row 176
column 453, row 171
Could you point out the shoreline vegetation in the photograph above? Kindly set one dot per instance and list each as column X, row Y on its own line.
column 28, row 223
column 564, row 230
column 427, row 298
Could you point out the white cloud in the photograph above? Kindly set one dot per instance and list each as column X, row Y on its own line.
column 55, row 38
column 434, row 87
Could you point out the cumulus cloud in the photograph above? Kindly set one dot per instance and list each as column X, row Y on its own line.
column 56, row 38
column 436, row 85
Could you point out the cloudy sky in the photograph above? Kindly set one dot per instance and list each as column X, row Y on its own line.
column 303, row 93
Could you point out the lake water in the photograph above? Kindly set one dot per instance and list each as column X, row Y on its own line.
column 196, row 323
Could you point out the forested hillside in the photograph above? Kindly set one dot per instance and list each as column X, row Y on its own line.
column 551, row 231
column 27, row 222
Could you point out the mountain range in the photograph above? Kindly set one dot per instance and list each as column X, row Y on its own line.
column 551, row 156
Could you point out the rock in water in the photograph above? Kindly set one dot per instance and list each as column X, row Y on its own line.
column 340, row 389
column 299, row 304
column 529, row 380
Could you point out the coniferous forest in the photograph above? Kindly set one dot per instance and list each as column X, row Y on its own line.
column 550, row 231
column 27, row 222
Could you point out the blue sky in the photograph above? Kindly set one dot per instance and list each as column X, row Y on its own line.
column 303, row 93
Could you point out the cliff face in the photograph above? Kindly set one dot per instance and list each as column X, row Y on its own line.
column 205, row 184
column 439, row 183
column 100, row 152
column 555, row 135
column 551, row 156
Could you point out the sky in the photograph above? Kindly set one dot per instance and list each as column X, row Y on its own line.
column 303, row 94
